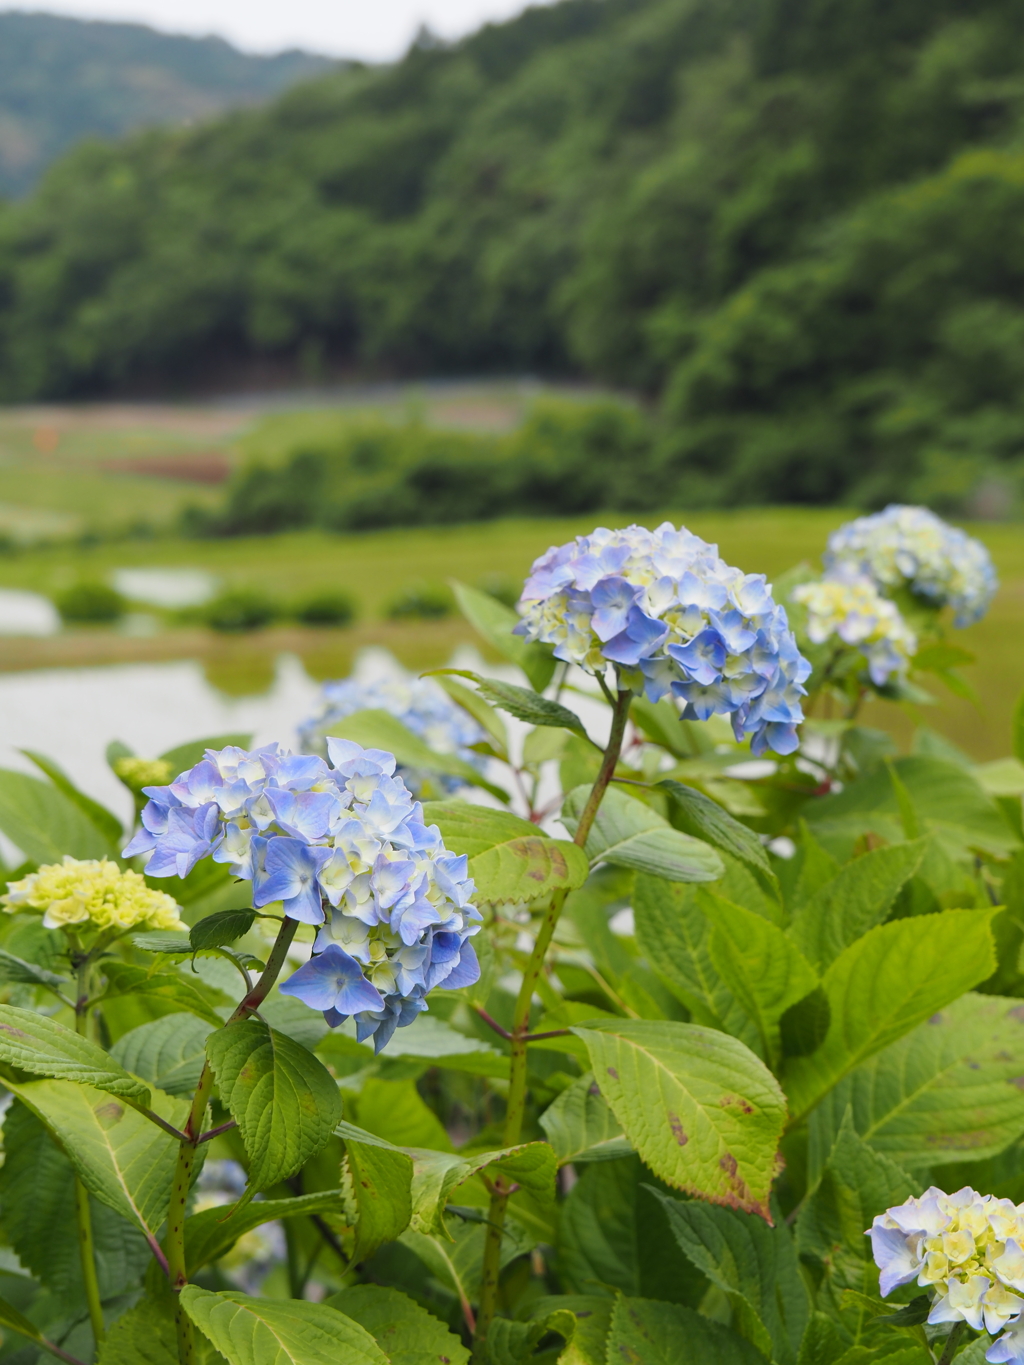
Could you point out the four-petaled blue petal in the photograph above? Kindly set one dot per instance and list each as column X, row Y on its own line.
column 703, row 658
column 333, row 981
column 290, row 876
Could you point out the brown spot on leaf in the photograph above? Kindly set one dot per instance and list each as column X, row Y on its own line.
column 613, row 1073
column 1017, row 1013
column 936, row 1019
column 675, row 1123
column 1018, row 1081
column 17, row 1032
column 593, row 1088
column 110, row 1113
column 736, row 1102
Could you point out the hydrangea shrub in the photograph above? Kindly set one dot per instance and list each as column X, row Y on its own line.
column 613, row 1056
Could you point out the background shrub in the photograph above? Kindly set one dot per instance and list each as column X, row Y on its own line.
column 240, row 609
column 421, row 601
column 89, row 603
column 329, row 608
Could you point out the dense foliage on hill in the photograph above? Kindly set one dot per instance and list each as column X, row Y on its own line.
column 61, row 80
column 796, row 221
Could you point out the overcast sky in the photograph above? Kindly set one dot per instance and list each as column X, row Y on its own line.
column 375, row 30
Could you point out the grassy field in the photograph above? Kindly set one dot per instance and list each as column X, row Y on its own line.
column 374, row 567
column 72, row 469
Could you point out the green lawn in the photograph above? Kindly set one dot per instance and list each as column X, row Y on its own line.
column 375, row 566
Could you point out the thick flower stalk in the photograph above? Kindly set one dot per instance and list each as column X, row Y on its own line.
column 419, row 703
column 671, row 616
column 967, row 1249
column 850, row 609
column 912, row 548
column 92, row 894
column 342, row 847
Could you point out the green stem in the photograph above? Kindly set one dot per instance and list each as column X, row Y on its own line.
column 83, row 1213
column 177, row 1269
column 952, row 1342
column 520, row 1029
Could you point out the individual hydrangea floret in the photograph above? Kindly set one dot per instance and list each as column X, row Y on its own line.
column 343, row 847
column 419, row 703
column 851, row 609
column 968, row 1250
column 672, row 616
column 94, row 894
column 911, row 547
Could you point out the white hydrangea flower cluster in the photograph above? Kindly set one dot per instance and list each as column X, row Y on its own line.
column 672, row 616
column 851, row 609
column 419, row 703
column 968, row 1249
column 92, row 893
column 912, row 547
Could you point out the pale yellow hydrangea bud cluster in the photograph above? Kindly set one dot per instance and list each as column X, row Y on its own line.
column 852, row 610
column 93, row 893
column 137, row 773
column 968, row 1249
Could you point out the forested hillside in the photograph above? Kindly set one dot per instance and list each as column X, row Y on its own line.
column 62, row 80
column 799, row 224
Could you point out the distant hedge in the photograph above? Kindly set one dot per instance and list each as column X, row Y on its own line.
column 567, row 457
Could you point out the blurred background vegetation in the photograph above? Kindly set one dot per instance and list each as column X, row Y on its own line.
column 792, row 225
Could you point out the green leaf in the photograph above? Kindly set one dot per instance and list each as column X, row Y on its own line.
column 593, row 1319
column 703, row 1112
column 104, row 820
column 674, row 935
column 804, row 1026
column 163, row 941
column 405, row 1332
column 651, row 1333
column 222, row 928
column 484, row 715
column 705, row 819
column 250, row 1331
column 37, row 1195
column 188, row 755
column 169, row 1052
column 510, row 859
column 614, row 1238
column 822, row 1344
column 628, row 833
column 495, row 622
column 950, row 1090
column 526, row 869
column 883, row 985
column 857, row 898
column 433, row 1041
column 211, row 1234
column 946, row 799
column 43, row 823
column 754, row 1265
column 32, row 1042
column 761, row 966
column 14, row 969
column 381, row 1192
column 283, row 1099
column 174, row 989
column 11, row 1318
column 1017, row 730
column 856, row 1184
column 146, row 1335
column 122, row 1158
column 530, row 1165
column 375, row 729
column 525, row 705
column 581, row 1127
column 394, row 1109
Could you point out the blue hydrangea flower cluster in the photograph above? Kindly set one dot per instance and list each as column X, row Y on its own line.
column 911, row 547
column 965, row 1249
column 419, row 703
column 343, row 847
column 671, row 616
